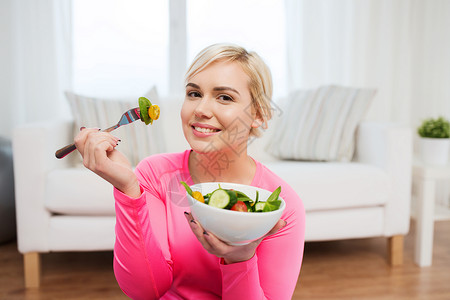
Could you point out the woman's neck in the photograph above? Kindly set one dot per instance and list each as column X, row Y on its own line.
column 224, row 166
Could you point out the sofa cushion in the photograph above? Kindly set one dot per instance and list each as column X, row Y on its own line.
column 320, row 124
column 320, row 185
column 78, row 191
column 334, row 185
column 171, row 121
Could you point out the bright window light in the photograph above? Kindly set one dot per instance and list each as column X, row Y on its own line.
column 120, row 47
column 257, row 25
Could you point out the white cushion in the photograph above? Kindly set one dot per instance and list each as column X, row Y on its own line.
column 320, row 124
column 78, row 191
column 138, row 139
column 81, row 233
column 349, row 223
column 334, row 185
column 171, row 122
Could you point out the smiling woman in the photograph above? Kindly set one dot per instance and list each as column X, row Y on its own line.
column 161, row 252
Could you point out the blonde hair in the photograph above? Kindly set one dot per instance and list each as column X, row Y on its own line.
column 260, row 84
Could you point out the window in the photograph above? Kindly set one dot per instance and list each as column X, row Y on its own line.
column 257, row 25
column 120, row 47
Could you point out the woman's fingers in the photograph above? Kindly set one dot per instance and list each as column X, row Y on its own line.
column 209, row 241
column 231, row 254
column 93, row 145
column 198, row 231
column 218, row 247
column 98, row 148
column 86, row 147
column 99, row 155
column 80, row 139
column 196, row 228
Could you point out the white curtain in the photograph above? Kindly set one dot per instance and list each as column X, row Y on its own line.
column 431, row 69
column 177, row 46
column 400, row 47
column 431, row 59
column 36, row 52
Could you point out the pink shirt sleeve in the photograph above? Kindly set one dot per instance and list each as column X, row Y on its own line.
column 140, row 266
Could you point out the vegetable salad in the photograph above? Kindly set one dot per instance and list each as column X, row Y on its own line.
column 236, row 200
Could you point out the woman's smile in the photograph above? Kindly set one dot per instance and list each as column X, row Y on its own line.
column 204, row 130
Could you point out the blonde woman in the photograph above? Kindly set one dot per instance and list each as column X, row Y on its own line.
column 160, row 250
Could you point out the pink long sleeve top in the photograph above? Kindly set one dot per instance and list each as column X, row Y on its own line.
column 156, row 255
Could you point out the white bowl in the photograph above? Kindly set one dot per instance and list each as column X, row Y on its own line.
column 234, row 227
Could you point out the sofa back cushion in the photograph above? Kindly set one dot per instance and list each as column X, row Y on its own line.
column 171, row 121
column 138, row 139
column 320, row 124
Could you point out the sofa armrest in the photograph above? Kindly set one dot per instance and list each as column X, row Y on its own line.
column 389, row 146
column 34, row 147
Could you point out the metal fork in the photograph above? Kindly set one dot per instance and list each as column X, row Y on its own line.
column 128, row 117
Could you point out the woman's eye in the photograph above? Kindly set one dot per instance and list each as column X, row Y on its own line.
column 194, row 94
column 225, row 98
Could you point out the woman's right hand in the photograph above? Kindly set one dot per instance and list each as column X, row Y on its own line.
column 100, row 156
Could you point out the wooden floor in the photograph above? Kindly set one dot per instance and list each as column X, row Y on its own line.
column 350, row 269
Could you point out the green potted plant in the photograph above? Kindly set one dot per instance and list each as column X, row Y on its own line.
column 434, row 140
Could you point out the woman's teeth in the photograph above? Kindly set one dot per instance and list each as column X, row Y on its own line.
column 205, row 130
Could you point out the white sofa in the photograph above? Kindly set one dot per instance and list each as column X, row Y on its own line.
column 63, row 207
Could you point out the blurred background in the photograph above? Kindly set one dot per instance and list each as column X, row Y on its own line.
column 122, row 48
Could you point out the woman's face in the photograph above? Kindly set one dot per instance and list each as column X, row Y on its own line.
column 217, row 113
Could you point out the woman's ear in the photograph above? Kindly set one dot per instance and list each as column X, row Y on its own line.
column 257, row 122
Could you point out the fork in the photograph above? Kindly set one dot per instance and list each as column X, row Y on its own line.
column 128, row 117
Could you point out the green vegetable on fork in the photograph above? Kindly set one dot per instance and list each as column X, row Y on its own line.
column 148, row 111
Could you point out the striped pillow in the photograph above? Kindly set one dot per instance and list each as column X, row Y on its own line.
column 320, row 124
column 138, row 139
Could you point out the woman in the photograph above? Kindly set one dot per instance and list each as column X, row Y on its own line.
column 160, row 250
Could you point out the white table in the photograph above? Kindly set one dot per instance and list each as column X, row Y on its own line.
column 426, row 177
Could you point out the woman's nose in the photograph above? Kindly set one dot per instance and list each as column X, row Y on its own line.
column 203, row 108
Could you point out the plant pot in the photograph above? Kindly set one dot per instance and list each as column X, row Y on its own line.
column 434, row 151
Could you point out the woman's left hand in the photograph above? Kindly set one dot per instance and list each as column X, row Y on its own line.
column 230, row 254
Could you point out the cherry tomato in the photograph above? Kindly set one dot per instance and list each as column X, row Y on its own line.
column 239, row 206
column 154, row 111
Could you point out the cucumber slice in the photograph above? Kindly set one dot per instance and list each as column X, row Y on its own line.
column 260, row 206
column 221, row 198
column 233, row 198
